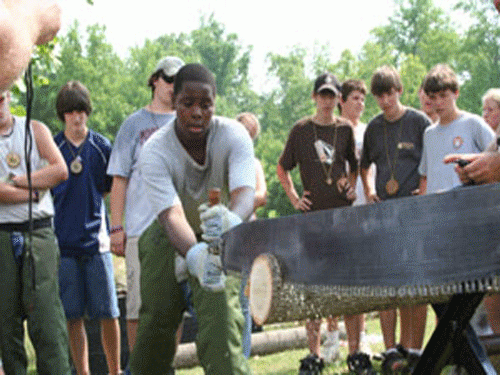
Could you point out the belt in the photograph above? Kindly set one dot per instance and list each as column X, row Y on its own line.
column 25, row 226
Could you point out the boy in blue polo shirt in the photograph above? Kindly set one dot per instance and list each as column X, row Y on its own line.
column 86, row 273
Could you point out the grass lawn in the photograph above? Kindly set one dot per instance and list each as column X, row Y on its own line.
column 283, row 363
column 287, row 363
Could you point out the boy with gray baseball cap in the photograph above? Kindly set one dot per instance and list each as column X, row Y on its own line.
column 127, row 198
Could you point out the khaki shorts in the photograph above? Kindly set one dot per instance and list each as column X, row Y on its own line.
column 133, row 302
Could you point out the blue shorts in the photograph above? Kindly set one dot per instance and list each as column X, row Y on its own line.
column 87, row 287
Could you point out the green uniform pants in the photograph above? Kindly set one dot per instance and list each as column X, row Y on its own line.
column 220, row 320
column 40, row 306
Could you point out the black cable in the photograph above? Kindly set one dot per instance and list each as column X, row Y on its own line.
column 28, row 149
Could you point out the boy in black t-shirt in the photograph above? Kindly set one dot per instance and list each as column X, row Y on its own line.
column 393, row 142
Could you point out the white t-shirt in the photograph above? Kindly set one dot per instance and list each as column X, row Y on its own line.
column 468, row 134
column 14, row 143
column 124, row 159
column 359, row 134
column 171, row 176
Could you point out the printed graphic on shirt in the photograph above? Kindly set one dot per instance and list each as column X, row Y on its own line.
column 406, row 145
column 325, row 151
column 458, row 142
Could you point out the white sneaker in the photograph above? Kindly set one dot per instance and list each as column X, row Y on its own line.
column 331, row 347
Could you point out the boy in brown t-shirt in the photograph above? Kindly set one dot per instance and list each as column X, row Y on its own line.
column 320, row 145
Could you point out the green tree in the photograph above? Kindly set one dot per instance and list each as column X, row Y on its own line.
column 479, row 58
column 419, row 28
column 223, row 54
column 292, row 94
column 268, row 149
column 412, row 71
column 98, row 67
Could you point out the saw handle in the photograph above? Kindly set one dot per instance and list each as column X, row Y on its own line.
column 213, row 199
column 214, row 196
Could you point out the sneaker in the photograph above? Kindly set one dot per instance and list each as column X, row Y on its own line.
column 360, row 364
column 413, row 357
column 457, row 370
column 331, row 347
column 311, row 365
column 394, row 362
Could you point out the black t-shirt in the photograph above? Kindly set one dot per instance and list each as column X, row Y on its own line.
column 334, row 142
column 404, row 136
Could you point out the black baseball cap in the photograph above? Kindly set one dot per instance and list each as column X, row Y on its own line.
column 327, row 81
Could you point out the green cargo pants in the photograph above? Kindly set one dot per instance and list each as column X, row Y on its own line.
column 220, row 320
column 40, row 306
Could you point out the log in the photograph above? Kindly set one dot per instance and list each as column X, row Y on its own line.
column 272, row 299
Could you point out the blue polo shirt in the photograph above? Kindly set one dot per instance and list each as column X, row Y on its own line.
column 78, row 201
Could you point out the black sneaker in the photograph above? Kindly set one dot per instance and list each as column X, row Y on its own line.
column 394, row 363
column 311, row 365
column 413, row 359
column 360, row 364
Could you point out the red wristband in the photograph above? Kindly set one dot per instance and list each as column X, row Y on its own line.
column 115, row 229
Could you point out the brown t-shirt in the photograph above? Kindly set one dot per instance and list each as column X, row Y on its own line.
column 310, row 143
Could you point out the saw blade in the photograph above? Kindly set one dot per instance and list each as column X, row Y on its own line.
column 439, row 243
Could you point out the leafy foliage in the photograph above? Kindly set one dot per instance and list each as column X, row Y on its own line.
column 416, row 37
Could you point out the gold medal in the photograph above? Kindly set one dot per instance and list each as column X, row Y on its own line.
column 329, row 181
column 13, row 159
column 392, row 186
column 76, row 166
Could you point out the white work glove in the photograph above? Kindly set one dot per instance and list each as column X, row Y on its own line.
column 206, row 267
column 181, row 269
column 216, row 220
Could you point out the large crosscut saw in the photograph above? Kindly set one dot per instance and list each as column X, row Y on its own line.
column 422, row 249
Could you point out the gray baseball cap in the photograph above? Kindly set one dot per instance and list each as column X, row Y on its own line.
column 170, row 65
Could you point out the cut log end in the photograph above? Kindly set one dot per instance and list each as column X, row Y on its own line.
column 273, row 299
column 265, row 277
